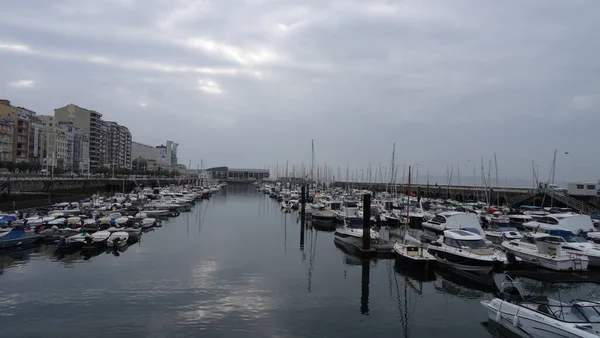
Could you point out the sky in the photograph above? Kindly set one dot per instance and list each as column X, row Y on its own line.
column 249, row 83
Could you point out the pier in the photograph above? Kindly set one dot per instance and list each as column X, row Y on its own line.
column 509, row 196
column 13, row 186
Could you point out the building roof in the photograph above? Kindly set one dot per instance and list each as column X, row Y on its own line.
column 250, row 170
column 238, row 170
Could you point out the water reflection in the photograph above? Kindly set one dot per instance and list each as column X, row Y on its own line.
column 464, row 284
column 234, row 276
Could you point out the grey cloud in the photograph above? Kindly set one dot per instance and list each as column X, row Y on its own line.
column 250, row 83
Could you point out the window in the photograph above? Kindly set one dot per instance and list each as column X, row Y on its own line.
column 591, row 187
column 580, row 186
column 473, row 244
column 450, row 242
column 439, row 219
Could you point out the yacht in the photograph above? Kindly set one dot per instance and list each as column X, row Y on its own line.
column 576, row 244
column 449, row 220
column 412, row 251
column 352, row 233
column 545, row 250
column 499, row 232
column 576, row 223
column 465, row 250
column 537, row 316
column 517, row 218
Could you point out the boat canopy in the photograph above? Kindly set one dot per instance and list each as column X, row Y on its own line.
column 530, row 207
column 7, row 218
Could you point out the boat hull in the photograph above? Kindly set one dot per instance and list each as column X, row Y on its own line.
column 19, row 241
column 461, row 262
column 528, row 323
column 560, row 263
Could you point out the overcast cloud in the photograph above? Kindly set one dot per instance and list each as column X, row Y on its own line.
column 246, row 83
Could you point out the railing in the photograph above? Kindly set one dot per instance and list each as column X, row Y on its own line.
column 571, row 202
column 522, row 198
column 559, row 196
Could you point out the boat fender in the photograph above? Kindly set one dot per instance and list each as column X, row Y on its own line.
column 498, row 316
column 516, row 321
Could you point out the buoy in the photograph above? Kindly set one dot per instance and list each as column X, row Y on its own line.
column 498, row 316
column 516, row 321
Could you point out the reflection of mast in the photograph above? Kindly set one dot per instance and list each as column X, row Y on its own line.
column 364, row 287
column 311, row 257
column 403, row 313
column 285, row 234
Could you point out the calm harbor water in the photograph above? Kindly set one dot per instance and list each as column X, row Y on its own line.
column 233, row 267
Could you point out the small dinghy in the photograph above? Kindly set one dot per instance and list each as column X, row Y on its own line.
column 117, row 239
column 148, row 223
column 96, row 240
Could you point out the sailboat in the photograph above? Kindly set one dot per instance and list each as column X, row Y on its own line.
column 410, row 249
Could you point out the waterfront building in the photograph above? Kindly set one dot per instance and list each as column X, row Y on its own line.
column 6, row 138
column 77, row 159
column 55, row 143
column 171, row 152
column 36, row 135
column 154, row 157
column 20, row 146
column 91, row 124
column 237, row 174
column 108, row 143
column 119, row 145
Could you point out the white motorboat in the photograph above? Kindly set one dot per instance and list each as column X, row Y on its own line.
column 117, row 239
column 97, row 239
column 499, row 232
column 574, row 244
column 517, row 218
column 155, row 212
column 413, row 251
column 576, row 223
column 53, row 233
column 324, row 216
column 121, row 221
column 467, row 251
column 352, row 233
column 538, row 316
column 57, row 221
column 448, row 220
column 134, row 233
column 148, row 223
column 286, row 205
column 545, row 250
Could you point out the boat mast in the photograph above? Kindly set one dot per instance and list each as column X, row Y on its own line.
column 497, row 192
column 393, row 163
column 407, row 208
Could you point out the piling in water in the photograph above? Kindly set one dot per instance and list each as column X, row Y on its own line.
column 366, row 222
column 364, row 286
column 302, row 201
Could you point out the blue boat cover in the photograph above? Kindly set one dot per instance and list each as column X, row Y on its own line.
column 7, row 218
column 12, row 234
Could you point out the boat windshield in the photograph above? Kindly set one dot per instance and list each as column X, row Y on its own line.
column 354, row 222
column 575, row 312
column 568, row 236
column 574, row 239
column 473, row 244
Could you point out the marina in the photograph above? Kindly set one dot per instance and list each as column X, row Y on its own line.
column 238, row 263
